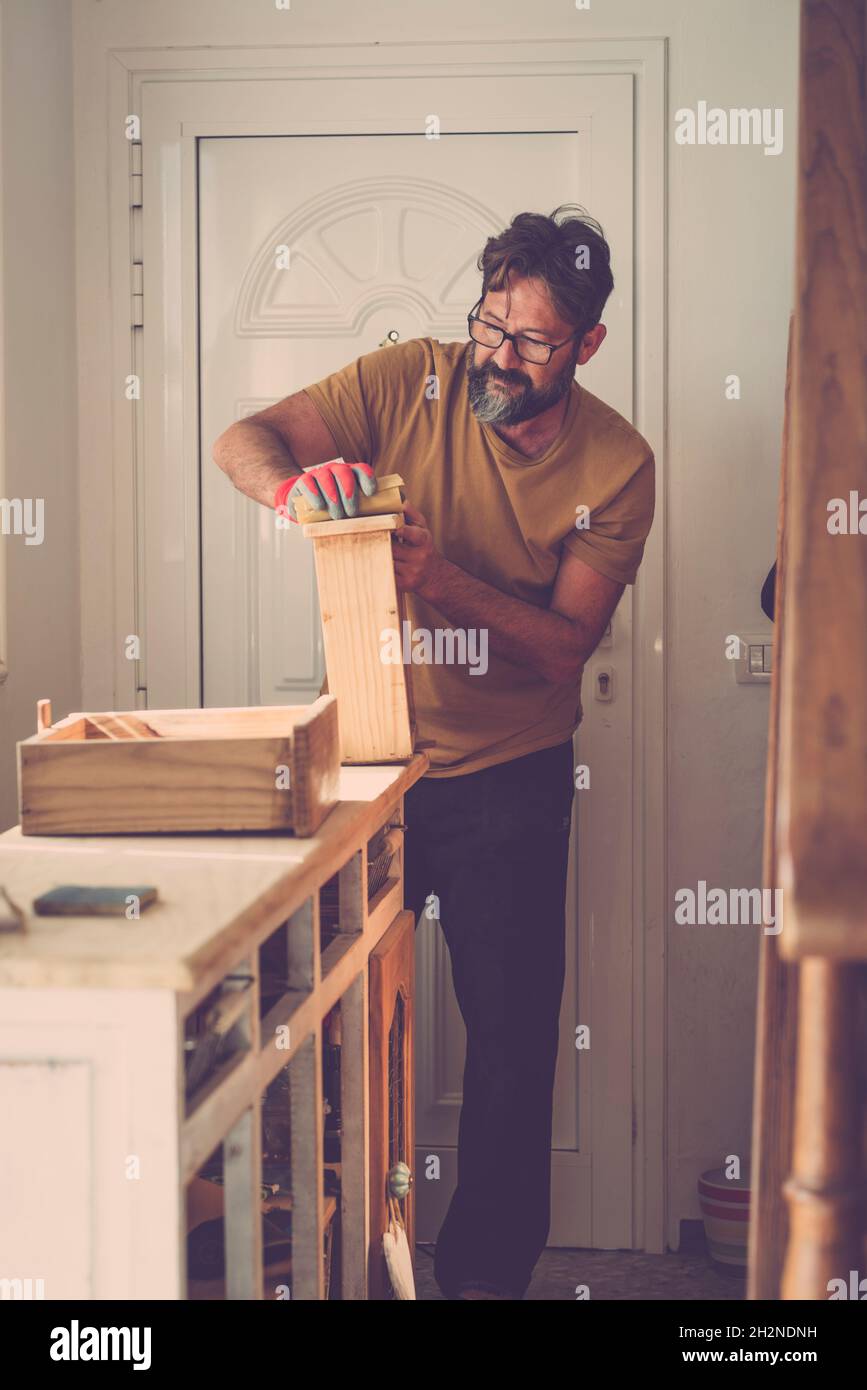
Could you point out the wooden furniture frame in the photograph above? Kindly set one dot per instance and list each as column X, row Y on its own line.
column 809, row 1202
column 93, row 1014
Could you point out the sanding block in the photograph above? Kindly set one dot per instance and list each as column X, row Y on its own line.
column 389, row 497
column 74, row 900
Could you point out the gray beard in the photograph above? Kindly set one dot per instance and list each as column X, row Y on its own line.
column 493, row 406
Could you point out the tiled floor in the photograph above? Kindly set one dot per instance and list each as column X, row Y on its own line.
column 610, row 1274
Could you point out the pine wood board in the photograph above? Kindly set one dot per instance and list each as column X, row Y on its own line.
column 359, row 600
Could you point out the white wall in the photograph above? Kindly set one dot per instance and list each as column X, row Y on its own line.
column 39, row 431
column 731, row 215
column 731, row 269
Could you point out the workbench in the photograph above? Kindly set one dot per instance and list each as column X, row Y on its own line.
column 101, row 1138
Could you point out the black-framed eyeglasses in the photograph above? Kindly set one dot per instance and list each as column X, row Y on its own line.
column 528, row 349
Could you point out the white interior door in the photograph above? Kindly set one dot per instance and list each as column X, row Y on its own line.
column 384, row 231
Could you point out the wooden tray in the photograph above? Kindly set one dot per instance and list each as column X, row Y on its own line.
column 181, row 769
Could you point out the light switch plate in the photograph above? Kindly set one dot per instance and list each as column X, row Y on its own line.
column 753, row 664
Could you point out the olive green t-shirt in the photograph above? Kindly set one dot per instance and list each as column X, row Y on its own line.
column 501, row 517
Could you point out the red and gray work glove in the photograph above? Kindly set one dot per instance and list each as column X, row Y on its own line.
column 333, row 485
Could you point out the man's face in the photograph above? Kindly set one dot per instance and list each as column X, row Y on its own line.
column 504, row 389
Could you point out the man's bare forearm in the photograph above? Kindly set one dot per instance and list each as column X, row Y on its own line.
column 255, row 459
column 554, row 646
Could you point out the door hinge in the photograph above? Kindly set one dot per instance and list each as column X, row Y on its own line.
column 137, row 294
column 135, row 176
column 135, row 196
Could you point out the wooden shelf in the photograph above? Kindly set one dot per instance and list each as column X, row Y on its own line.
column 116, row 997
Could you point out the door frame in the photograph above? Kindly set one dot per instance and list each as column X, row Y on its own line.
column 111, row 440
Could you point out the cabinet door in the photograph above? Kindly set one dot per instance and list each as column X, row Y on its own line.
column 392, row 1136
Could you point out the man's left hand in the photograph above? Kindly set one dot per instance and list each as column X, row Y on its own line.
column 416, row 559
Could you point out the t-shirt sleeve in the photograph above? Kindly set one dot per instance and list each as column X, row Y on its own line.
column 356, row 400
column 613, row 541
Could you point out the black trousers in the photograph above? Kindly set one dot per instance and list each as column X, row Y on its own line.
column 492, row 846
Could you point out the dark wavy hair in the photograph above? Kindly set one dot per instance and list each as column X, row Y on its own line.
column 548, row 248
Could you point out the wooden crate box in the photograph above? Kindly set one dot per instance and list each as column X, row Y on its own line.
column 177, row 770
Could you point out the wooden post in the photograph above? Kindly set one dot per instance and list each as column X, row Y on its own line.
column 355, row 1155
column 822, row 790
column 826, row 1190
column 822, row 786
column 308, row 1205
column 816, row 834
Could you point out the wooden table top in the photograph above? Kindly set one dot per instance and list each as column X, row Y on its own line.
column 212, row 890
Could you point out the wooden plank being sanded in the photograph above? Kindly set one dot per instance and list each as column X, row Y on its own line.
column 359, row 602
